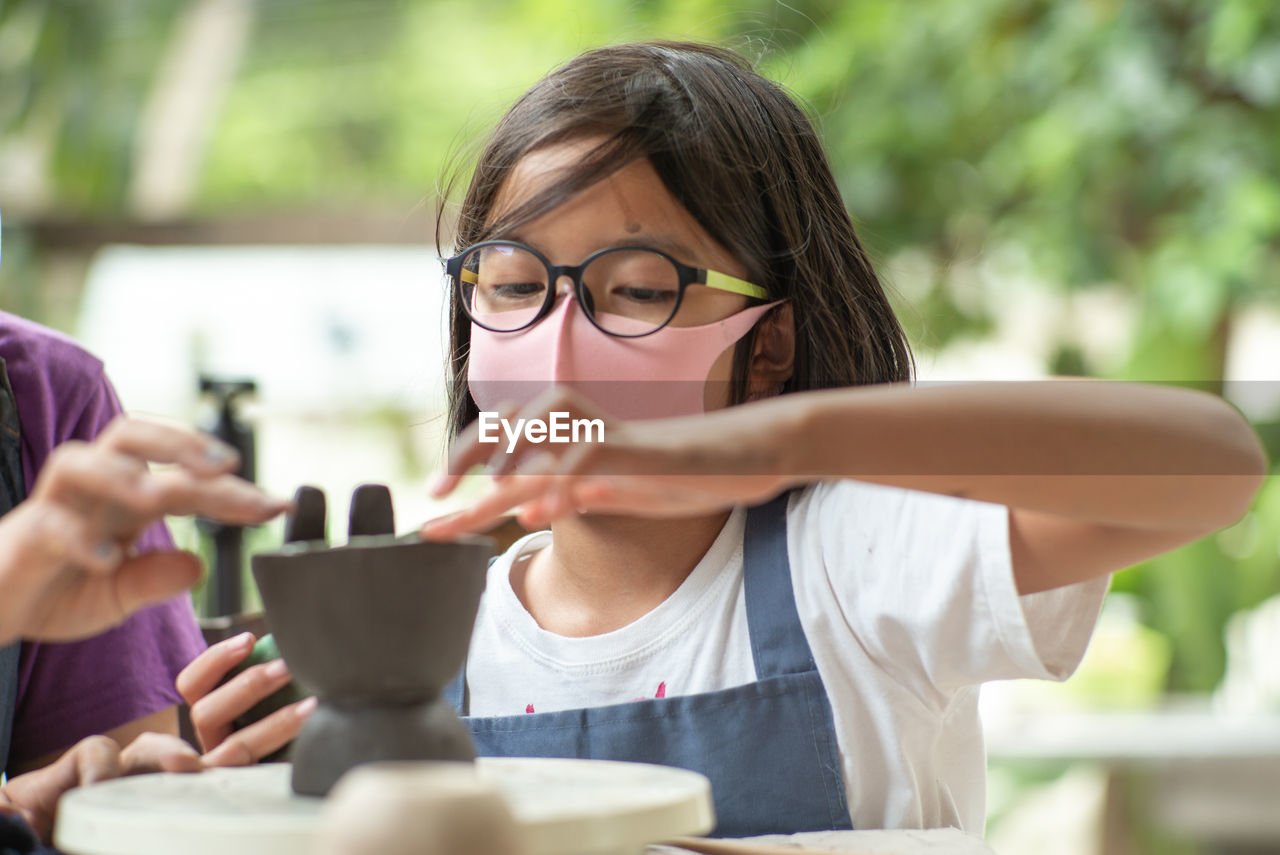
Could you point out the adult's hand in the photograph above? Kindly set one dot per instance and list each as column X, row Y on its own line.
column 66, row 567
column 34, row 796
column 216, row 705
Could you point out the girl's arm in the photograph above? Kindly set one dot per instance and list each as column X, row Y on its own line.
column 1097, row 475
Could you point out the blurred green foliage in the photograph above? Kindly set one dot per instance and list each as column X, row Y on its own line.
column 1070, row 146
column 73, row 79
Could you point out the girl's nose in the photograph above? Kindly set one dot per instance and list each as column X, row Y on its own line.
column 564, row 288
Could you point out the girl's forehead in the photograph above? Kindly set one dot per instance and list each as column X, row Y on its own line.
column 539, row 169
column 630, row 205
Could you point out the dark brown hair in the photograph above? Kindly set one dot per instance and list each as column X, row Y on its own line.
column 742, row 158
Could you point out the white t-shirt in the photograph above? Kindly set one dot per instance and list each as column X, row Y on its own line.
column 908, row 603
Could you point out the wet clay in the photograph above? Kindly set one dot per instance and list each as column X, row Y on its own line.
column 374, row 629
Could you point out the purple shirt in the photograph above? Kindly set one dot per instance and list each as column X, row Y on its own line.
column 69, row 691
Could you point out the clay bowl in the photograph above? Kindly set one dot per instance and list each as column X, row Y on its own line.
column 392, row 618
column 375, row 630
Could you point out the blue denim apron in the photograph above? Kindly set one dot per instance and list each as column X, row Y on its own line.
column 769, row 747
column 12, row 491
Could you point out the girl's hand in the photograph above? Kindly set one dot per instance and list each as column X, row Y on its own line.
column 65, row 563
column 214, row 708
column 665, row 467
column 34, row 795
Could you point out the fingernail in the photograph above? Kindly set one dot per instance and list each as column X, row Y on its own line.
column 219, row 454
column 305, row 707
column 439, row 521
column 277, row 669
column 432, row 531
column 273, row 503
column 242, row 641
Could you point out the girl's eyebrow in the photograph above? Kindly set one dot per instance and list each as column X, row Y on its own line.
column 664, row 242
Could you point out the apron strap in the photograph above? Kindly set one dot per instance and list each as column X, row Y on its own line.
column 455, row 692
column 12, row 491
column 778, row 643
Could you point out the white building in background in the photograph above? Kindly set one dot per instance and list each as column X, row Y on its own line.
column 346, row 345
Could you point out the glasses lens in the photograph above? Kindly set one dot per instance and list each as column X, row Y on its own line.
column 632, row 291
column 503, row 286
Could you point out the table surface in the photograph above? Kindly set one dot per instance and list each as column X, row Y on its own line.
column 563, row 807
column 933, row 841
column 1134, row 738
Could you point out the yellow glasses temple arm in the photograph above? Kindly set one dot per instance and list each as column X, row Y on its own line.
column 725, row 282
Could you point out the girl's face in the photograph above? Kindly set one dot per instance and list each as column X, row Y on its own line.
column 630, row 207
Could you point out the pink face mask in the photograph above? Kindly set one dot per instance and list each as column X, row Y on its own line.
column 653, row 376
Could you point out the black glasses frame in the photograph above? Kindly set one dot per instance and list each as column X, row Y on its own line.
column 686, row 276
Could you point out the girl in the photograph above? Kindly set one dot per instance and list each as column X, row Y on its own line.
column 796, row 580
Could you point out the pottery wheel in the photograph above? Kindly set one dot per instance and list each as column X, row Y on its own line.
column 563, row 807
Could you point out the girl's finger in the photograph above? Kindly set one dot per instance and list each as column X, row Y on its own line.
column 468, row 452
column 206, row 671
column 510, row 493
column 570, row 499
column 213, row 715
column 566, row 404
column 158, row 443
column 517, row 450
column 622, row 495
column 262, row 737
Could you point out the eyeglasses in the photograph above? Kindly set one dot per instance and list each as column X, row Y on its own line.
column 627, row 291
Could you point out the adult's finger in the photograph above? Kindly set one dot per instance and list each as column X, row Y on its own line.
column 213, row 715
column 41, row 535
column 205, row 672
column 152, row 578
column 158, row 752
column 251, row 744
column 79, row 474
column 225, row 498
column 159, row 443
column 92, row 759
column 119, row 493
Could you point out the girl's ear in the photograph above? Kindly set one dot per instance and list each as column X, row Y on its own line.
column 773, row 354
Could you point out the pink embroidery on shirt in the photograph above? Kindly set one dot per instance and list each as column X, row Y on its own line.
column 662, row 692
column 528, row 708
